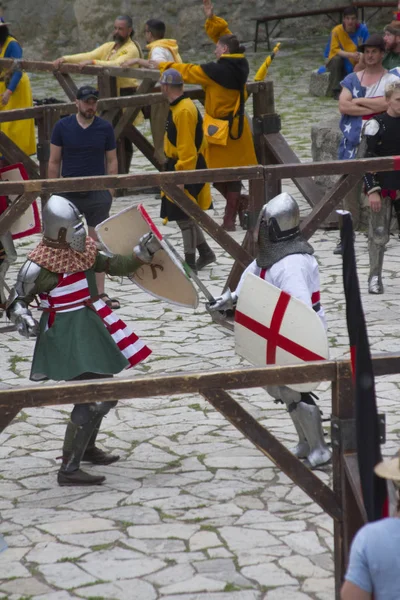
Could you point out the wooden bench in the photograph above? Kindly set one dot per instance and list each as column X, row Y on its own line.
column 338, row 10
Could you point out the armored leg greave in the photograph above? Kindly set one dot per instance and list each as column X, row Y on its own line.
column 94, row 454
column 193, row 238
column 378, row 237
column 85, row 419
column 310, row 419
column 306, row 418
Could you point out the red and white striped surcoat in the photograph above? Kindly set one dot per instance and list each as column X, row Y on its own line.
column 72, row 293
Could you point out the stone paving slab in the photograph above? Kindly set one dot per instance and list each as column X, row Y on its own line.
column 192, row 511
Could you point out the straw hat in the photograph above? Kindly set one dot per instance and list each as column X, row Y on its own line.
column 389, row 469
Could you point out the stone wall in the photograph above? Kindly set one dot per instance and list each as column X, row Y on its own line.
column 50, row 28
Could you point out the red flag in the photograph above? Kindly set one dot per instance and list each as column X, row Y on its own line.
column 374, row 488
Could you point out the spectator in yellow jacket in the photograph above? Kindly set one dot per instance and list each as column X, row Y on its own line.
column 114, row 53
column 227, row 130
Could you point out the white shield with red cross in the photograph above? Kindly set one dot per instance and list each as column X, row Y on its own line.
column 273, row 328
column 165, row 278
column 29, row 222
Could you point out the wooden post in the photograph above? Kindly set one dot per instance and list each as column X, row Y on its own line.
column 265, row 120
column 207, row 223
column 342, row 445
column 67, row 84
column 331, row 199
column 257, row 199
column 45, row 126
column 293, row 467
column 143, row 144
column 14, row 154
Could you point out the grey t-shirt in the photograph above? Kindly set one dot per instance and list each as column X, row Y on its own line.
column 375, row 559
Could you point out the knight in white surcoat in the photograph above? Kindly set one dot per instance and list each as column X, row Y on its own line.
column 286, row 260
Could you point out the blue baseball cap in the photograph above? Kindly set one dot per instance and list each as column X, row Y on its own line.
column 171, row 77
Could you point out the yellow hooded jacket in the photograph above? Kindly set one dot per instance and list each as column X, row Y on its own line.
column 169, row 44
column 220, row 101
column 105, row 56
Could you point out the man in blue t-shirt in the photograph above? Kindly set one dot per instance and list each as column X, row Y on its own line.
column 374, row 565
column 83, row 145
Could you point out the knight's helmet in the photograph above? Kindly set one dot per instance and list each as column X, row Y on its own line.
column 278, row 221
column 62, row 225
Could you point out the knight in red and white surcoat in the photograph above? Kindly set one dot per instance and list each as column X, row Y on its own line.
column 285, row 259
column 78, row 337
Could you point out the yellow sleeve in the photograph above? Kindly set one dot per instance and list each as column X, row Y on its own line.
column 185, row 122
column 335, row 45
column 97, row 53
column 216, row 27
column 190, row 73
column 128, row 54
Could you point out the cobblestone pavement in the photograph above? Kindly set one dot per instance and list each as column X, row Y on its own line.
column 192, row 511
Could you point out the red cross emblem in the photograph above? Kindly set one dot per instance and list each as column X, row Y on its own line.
column 272, row 333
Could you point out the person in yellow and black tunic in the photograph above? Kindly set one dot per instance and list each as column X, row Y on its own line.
column 184, row 146
column 230, row 141
column 15, row 92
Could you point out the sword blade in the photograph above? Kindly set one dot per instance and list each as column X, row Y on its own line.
column 191, row 273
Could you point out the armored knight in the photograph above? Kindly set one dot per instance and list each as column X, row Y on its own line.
column 381, row 138
column 78, row 336
column 286, row 261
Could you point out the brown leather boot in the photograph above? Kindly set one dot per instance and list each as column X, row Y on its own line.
column 231, row 210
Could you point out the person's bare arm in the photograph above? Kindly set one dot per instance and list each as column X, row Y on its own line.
column 111, row 162
column 374, row 105
column 353, row 592
column 54, row 167
column 348, row 107
column 208, row 9
column 111, row 165
column 133, row 62
column 354, row 56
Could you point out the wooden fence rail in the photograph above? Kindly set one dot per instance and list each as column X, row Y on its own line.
column 343, row 503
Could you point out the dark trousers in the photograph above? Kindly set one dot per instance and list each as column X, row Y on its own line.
column 337, row 72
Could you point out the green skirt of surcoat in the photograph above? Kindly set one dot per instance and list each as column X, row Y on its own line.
column 76, row 343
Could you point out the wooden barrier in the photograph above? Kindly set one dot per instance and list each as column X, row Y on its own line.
column 264, row 181
column 343, row 503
